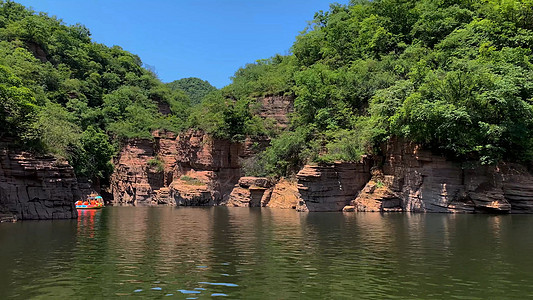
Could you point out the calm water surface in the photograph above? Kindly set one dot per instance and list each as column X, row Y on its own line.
column 241, row 253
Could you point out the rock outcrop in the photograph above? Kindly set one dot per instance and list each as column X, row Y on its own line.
column 376, row 197
column 37, row 188
column 192, row 168
column 261, row 192
column 134, row 180
column 284, row 195
column 331, row 187
column 196, row 169
column 415, row 180
column 189, row 169
column 250, row 192
column 276, row 108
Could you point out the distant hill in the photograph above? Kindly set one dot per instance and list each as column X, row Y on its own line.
column 195, row 88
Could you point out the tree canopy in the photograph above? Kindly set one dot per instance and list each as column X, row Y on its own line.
column 195, row 88
column 455, row 76
column 64, row 94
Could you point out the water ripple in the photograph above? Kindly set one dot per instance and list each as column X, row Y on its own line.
column 269, row 254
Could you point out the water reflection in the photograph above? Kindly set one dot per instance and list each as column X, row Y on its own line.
column 264, row 254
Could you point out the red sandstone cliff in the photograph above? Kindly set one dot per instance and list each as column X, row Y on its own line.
column 413, row 179
column 192, row 168
column 277, row 108
column 251, row 192
column 330, row 187
column 37, row 188
column 262, row 192
column 189, row 169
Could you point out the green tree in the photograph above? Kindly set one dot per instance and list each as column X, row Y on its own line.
column 17, row 104
column 193, row 87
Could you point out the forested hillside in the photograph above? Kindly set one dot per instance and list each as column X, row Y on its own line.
column 61, row 93
column 454, row 75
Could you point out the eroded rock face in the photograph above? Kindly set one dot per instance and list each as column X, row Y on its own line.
column 134, row 181
column 375, row 197
column 331, row 187
column 250, row 192
column 415, row 180
column 284, row 195
column 37, row 188
column 190, row 169
column 518, row 188
column 214, row 162
column 261, row 192
column 196, row 168
column 145, row 170
column 276, row 108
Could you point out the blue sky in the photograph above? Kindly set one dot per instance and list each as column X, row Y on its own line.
column 209, row 39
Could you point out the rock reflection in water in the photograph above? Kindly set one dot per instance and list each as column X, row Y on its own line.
column 253, row 253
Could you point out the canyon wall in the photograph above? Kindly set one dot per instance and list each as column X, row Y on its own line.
column 193, row 168
column 37, row 188
column 408, row 178
column 330, row 187
column 415, row 180
column 189, row 169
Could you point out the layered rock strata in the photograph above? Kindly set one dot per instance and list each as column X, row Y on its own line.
column 133, row 182
column 250, row 192
column 284, row 194
column 277, row 108
column 196, row 169
column 415, row 180
column 261, row 192
column 192, row 168
column 331, row 187
column 37, row 188
column 189, row 169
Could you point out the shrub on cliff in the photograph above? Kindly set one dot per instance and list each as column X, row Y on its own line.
column 226, row 118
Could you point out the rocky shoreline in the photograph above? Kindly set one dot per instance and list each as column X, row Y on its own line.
column 199, row 170
column 37, row 188
column 194, row 169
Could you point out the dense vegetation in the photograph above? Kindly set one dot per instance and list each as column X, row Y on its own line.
column 195, row 88
column 63, row 94
column 453, row 75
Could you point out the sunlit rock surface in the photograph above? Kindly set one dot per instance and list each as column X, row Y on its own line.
column 192, row 168
column 250, row 192
column 415, row 180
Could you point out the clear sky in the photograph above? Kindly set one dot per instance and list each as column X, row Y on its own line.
column 209, row 39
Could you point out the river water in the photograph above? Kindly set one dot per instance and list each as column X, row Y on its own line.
column 242, row 253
